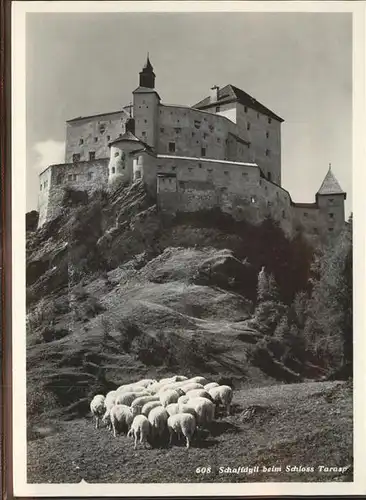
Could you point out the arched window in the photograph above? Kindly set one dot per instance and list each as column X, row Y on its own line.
column 113, row 170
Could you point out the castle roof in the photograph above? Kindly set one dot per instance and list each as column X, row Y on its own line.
column 230, row 93
column 127, row 136
column 330, row 185
column 123, row 110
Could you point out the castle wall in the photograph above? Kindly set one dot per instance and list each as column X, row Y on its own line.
column 191, row 130
column 120, row 167
column 266, row 150
column 83, row 176
column 144, row 167
column 95, row 132
column 44, row 194
column 146, row 116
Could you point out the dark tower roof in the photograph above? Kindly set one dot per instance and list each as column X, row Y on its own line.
column 147, row 75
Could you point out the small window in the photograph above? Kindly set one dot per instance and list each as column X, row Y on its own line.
column 248, row 126
column 192, row 134
column 331, row 216
column 102, row 128
column 190, row 169
column 120, row 135
column 252, row 199
column 174, row 168
column 331, row 200
column 138, row 174
column 306, row 215
column 81, row 141
column 246, row 109
column 269, row 120
column 161, row 130
column 244, row 174
column 145, row 121
column 113, row 170
column 205, row 136
column 330, row 229
column 69, row 177
column 75, row 177
column 258, row 116
column 41, row 186
column 217, row 109
column 267, row 134
column 267, row 152
column 95, row 139
column 177, row 130
column 269, row 176
column 108, row 137
column 76, row 157
column 226, row 172
column 278, row 195
column 171, row 147
column 209, row 170
column 90, row 176
column 91, row 155
column 218, row 139
column 283, row 214
column 45, row 184
column 116, row 153
column 203, row 151
column 200, row 165
column 143, row 133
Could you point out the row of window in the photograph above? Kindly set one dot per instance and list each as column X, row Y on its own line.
column 331, row 215
column 76, row 156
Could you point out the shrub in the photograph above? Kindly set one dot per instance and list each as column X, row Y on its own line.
column 93, row 307
column 50, row 334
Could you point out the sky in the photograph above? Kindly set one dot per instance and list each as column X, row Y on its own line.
column 297, row 64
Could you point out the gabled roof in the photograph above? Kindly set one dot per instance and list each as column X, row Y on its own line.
column 330, row 185
column 127, row 136
column 123, row 110
column 230, row 93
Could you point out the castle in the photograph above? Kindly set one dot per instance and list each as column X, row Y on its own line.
column 225, row 151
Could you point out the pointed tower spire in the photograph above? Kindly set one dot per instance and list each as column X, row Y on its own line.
column 330, row 185
column 147, row 75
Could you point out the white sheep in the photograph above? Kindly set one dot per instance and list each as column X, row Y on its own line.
column 97, row 407
column 146, row 409
column 169, row 397
column 140, row 428
column 199, row 393
column 183, row 400
column 204, row 410
column 222, row 395
column 120, row 416
column 127, row 398
column 131, row 388
column 109, row 402
column 191, row 386
column 145, row 382
column 158, row 418
column 211, row 385
column 173, row 408
column 199, row 380
column 138, row 403
column 182, row 423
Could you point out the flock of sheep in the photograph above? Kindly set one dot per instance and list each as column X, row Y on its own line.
column 148, row 408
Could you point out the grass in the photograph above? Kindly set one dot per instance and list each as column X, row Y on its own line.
column 308, row 424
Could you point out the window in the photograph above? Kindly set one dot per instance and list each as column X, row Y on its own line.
column 102, row 128
column 203, row 151
column 258, row 116
column 174, row 168
column 218, row 139
column 330, row 200
column 143, row 133
column 205, row 136
column 138, row 174
column 69, row 177
column 81, row 141
column 76, row 157
column 41, row 187
column 113, row 170
column 244, row 174
column 330, row 229
column 283, row 214
column 45, row 184
column 226, row 172
column 108, row 137
column 161, row 130
column 267, row 134
column 90, row 176
column 95, row 139
column 248, row 126
column 116, row 153
column 75, row 177
column 190, row 169
column 306, row 215
column 217, row 109
column 91, row 155
column 200, row 165
column 145, row 121
column 252, row 199
column 177, row 130
column 192, row 134
column 269, row 176
column 171, row 147
column 120, row 135
column 331, row 216
column 246, row 109
column 267, row 152
column 269, row 120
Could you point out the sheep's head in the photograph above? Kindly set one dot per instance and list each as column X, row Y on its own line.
column 136, row 410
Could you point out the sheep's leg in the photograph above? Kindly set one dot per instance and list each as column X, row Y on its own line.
column 228, row 408
column 170, row 437
column 135, row 446
column 188, row 443
column 96, row 422
column 114, row 429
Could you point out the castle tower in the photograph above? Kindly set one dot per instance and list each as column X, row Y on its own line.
column 330, row 200
column 146, row 107
column 120, row 168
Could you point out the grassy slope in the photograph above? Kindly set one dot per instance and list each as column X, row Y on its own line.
column 301, row 424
